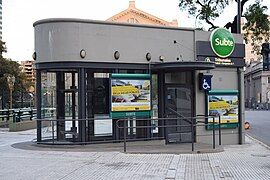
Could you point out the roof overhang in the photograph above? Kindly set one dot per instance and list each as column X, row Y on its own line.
column 187, row 65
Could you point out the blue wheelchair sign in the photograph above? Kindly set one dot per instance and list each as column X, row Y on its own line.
column 205, row 82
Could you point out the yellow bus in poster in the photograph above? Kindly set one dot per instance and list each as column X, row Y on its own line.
column 225, row 106
column 130, row 95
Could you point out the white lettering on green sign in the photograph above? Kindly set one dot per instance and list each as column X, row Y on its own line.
column 222, row 42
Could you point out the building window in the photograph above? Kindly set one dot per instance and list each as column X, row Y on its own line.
column 268, row 80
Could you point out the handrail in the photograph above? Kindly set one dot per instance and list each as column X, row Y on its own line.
column 168, row 126
column 178, row 114
column 17, row 114
column 87, row 119
column 195, row 122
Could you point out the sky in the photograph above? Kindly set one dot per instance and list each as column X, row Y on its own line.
column 19, row 16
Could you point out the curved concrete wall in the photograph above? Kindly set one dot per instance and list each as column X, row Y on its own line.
column 62, row 40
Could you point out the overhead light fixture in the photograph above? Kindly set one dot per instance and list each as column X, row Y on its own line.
column 148, row 56
column 161, row 58
column 116, row 55
column 34, row 55
column 82, row 53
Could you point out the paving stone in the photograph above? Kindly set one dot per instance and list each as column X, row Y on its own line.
column 250, row 161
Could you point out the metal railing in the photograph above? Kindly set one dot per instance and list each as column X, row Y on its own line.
column 122, row 124
column 192, row 126
column 17, row 115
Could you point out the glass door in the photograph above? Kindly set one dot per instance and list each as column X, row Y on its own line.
column 67, row 103
column 98, row 106
column 178, row 104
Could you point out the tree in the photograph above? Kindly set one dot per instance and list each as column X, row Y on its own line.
column 9, row 67
column 256, row 27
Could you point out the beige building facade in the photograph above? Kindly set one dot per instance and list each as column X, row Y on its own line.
column 28, row 68
column 137, row 16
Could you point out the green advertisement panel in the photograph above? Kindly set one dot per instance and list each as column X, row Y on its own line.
column 224, row 104
column 130, row 95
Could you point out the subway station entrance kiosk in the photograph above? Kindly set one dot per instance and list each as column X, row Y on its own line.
column 91, row 74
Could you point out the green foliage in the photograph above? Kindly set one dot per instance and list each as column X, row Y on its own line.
column 257, row 27
column 204, row 10
column 12, row 68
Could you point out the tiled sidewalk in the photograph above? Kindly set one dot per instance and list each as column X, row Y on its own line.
column 249, row 161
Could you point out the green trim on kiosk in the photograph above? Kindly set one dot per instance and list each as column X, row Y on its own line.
column 223, row 92
column 131, row 76
column 222, row 126
column 130, row 114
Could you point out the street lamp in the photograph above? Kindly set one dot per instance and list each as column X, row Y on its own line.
column 31, row 99
column 10, row 81
column 1, row 102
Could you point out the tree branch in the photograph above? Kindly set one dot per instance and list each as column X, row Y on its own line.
column 212, row 25
column 199, row 3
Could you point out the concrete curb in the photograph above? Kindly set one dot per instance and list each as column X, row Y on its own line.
column 258, row 141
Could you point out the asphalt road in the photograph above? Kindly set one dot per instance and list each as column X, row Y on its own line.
column 259, row 125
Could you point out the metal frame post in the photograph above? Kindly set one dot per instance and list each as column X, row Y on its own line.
column 239, row 73
column 192, row 135
column 219, row 130
column 53, row 131
column 238, row 17
column 38, row 103
column 214, row 134
column 82, row 104
column 125, row 134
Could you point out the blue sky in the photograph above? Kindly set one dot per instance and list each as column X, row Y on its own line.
column 19, row 16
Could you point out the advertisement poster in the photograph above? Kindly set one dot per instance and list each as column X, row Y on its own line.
column 225, row 106
column 130, row 95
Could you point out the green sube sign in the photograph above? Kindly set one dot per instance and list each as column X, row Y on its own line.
column 222, row 42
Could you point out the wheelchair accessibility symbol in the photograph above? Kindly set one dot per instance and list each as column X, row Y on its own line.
column 205, row 82
column 205, row 85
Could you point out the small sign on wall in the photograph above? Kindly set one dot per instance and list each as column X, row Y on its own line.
column 205, row 82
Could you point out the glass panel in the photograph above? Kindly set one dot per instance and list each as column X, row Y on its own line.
column 179, row 100
column 48, row 95
column 178, row 78
column 132, row 123
column 98, row 103
column 178, row 105
column 70, row 103
column 154, row 102
column 103, row 125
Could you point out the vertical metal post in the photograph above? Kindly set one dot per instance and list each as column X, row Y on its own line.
column 73, row 99
column 240, row 101
column 38, row 103
column 125, row 134
column 82, row 104
column 239, row 10
column 8, row 118
column 238, row 16
column 219, row 129
column 10, row 97
column 53, row 131
column 214, row 138
column 192, row 135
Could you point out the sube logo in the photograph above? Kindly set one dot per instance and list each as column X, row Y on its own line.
column 222, row 42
